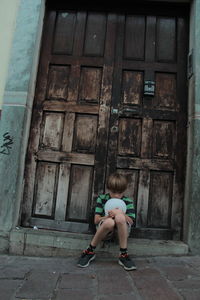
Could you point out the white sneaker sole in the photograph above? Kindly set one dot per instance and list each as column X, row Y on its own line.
column 127, row 269
column 91, row 259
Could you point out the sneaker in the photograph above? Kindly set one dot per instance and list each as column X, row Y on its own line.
column 86, row 258
column 126, row 262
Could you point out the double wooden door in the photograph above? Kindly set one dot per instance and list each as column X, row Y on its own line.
column 110, row 95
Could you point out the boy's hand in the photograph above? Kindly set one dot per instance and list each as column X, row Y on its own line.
column 112, row 213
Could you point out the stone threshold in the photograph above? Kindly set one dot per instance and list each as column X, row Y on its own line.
column 40, row 242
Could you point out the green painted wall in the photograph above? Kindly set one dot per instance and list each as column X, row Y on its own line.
column 8, row 13
column 17, row 108
column 192, row 192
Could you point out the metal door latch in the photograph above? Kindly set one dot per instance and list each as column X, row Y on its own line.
column 149, row 88
column 114, row 111
column 114, row 129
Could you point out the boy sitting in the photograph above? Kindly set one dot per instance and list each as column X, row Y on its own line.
column 115, row 219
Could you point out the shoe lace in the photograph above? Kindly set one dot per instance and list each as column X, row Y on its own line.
column 125, row 255
column 86, row 252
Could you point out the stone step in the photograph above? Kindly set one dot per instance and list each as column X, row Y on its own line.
column 39, row 242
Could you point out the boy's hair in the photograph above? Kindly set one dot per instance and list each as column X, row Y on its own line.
column 117, row 183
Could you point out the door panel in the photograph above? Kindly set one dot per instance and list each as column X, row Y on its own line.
column 145, row 129
column 68, row 138
column 93, row 114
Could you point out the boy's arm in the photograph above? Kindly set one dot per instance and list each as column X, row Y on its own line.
column 129, row 220
column 130, row 212
column 98, row 218
column 99, row 211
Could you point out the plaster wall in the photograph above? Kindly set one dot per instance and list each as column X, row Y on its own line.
column 192, row 191
column 17, row 109
column 8, row 13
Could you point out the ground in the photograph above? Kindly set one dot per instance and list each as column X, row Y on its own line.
column 41, row 278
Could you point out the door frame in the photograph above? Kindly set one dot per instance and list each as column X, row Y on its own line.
column 27, row 127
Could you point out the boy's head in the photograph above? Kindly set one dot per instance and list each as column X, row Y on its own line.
column 117, row 183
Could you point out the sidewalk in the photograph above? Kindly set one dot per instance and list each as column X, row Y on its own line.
column 157, row 278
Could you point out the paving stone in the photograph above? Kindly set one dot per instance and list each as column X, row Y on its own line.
column 151, row 285
column 179, row 272
column 190, row 295
column 77, row 281
column 130, row 296
column 40, row 278
column 102, row 264
column 193, row 261
column 113, row 283
column 168, row 260
column 69, row 294
column 142, row 263
column 8, row 288
column 188, row 284
column 14, row 272
column 6, row 259
column 38, row 285
column 147, row 272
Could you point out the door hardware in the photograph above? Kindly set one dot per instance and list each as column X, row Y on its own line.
column 129, row 110
column 114, row 111
column 149, row 88
column 114, row 129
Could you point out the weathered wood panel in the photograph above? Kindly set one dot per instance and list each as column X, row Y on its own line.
column 166, row 39
column 95, row 34
column 164, row 136
column 138, row 163
column 58, row 82
column 70, row 107
column 143, row 198
column 134, row 37
column 81, row 180
column 68, row 132
column 147, row 137
column 45, row 189
column 160, row 202
column 129, row 136
column 52, row 134
column 85, row 134
column 62, row 192
column 90, row 84
column 64, row 33
column 58, row 156
column 132, row 87
column 165, row 91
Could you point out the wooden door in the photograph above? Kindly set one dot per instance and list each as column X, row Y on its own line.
column 69, row 128
column 91, row 117
column 147, row 139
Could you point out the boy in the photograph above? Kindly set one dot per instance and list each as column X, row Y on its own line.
column 115, row 220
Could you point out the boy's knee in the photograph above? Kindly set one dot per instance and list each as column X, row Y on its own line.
column 120, row 219
column 108, row 224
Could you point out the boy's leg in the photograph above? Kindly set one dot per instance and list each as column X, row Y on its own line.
column 124, row 259
column 106, row 227
column 88, row 255
column 122, row 231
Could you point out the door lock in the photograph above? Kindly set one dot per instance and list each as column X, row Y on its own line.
column 114, row 129
column 149, row 88
column 114, row 111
